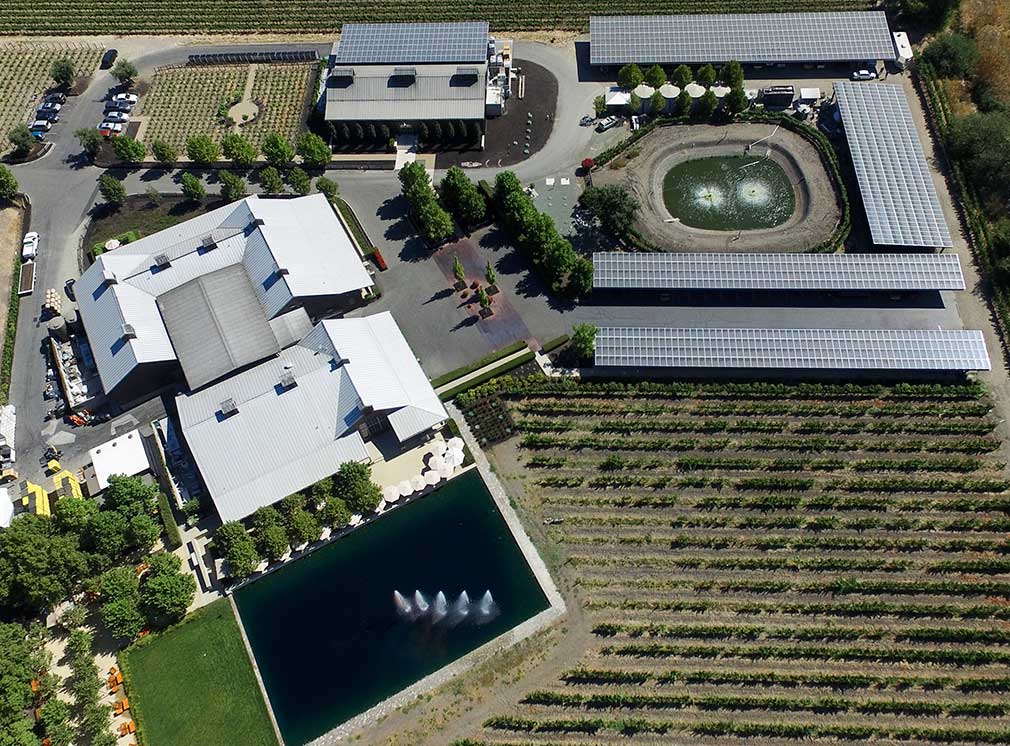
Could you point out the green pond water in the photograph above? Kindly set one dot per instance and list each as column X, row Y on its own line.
column 328, row 636
column 729, row 193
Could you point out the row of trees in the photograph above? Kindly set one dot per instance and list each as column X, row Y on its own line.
column 535, row 233
column 463, row 198
column 297, row 519
column 431, row 219
column 86, row 686
column 22, row 658
column 631, row 76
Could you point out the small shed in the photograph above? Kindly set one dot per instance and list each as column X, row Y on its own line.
column 124, row 455
column 617, row 97
column 810, row 95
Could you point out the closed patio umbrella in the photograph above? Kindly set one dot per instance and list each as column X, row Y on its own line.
column 432, row 477
column 417, row 483
column 404, row 488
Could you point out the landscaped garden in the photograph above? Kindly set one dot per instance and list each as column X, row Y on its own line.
column 282, row 94
column 195, row 684
column 24, row 75
column 786, row 561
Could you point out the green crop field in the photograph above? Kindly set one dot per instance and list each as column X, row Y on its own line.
column 194, row 684
column 788, row 562
column 319, row 16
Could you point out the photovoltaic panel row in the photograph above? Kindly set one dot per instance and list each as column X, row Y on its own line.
column 710, row 271
column 803, row 349
column 900, row 200
column 405, row 43
column 745, row 37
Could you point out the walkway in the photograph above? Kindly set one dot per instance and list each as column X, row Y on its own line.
column 481, row 371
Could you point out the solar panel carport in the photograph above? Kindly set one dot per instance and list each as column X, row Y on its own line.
column 709, row 271
column 792, row 349
column 745, row 37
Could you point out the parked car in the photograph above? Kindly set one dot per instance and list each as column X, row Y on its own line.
column 49, row 106
column 55, row 98
column 126, row 98
column 118, row 106
column 120, row 117
column 606, row 124
column 39, row 127
column 586, row 121
column 109, row 58
column 30, row 246
column 48, row 115
column 69, row 287
column 110, row 129
column 864, row 75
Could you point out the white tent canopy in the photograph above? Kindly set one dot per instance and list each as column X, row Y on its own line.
column 695, row 90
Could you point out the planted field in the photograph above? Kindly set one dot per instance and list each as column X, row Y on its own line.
column 24, row 76
column 769, row 562
column 316, row 16
column 186, row 101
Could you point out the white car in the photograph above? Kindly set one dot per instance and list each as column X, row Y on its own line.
column 126, row 98
column 864, row 75
column 117, row 116
column 110, row 129
column 30, row 246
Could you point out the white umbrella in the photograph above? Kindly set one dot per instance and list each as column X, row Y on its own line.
column 417, row 483
column 432, row 477
column 454, row 458
column 111, row 244
column 456, row 443
column 694, row 90
column 439, row 446
column 669, row 90
column 720, row 91
column 391, row 493
column 445, row 472
column 404, row 488
column 436, row 462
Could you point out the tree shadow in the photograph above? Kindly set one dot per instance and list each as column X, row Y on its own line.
column 463, row 324
column 440, row 295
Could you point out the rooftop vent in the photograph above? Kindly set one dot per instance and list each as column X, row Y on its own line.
column 208, row 242
column 129, row 332
column 467, row 72
column 404, row 72
column 259, row 221
column 287, row 379
column 229, row 407
column 342, row 72
column 161, row 261
column 281, row 271
column 108, row 276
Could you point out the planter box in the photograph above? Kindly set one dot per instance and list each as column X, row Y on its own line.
column 485, row 312
column 380, row 262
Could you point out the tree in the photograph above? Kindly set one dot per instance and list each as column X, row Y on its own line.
column 449, row 131
column 239, row 150
column 706, row 75
column 122, row 617
column 328, row 188
column 129, row 150
column 682, row 76
column 630, row 76
column 106, row 536
column 89, row 139
column 463, row 197
column 265, row 516
column 271, row 181
column 272, row 541
column 682, row 106
column 736, row 100
column 583, row 341
column 952, row 55
column 75, row 616
column 237, row 549
column 732, row 74
column 580, row 277
column 303, row 527
column 558, row 259
column 130, row 495
column 232, row 187
column 413, row 176
column 125, row 72
column 71, row 517
column 335, row 512
column 657, row 103
column 21, row 140
column 931, row 13
column 436, row 225
column 655, row 76
column 112, row 190
column 300, row 181
column 614, row 206
column 277, row 150
column 707, row 105
column 474, row 132
column 38, row 565
column 314, row 151
column 490, row 276
column 457, row 269
column 353, row 482
column 483, row 299
column 634, row 104
column 164, row 153
column 8, row 183
column 202, row 150
column 144, row 531
column 192, row 187
column 63, row 72
column 600, row 106
column 166, row 591
column 981, row 143
column 291, row 503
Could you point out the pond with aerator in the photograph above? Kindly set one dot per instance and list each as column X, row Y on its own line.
column 343, row 628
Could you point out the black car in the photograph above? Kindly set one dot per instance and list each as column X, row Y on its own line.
column 55, row 98
column 69, row 288
column 109, row 58
column 50, row 115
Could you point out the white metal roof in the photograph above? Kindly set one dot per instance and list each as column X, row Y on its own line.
column 6, row 508
column 290, row 249
column 124, row 455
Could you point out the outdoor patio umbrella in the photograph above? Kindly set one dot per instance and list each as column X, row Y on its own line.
column 455, row 443
column 445, row 472
column 694, row 90
column 391, row 493
column 454, row 458
column 439, row 446
column 436, row 462
column 432, row 477
column 417, row 483
column 405, row 489
column 720, row 91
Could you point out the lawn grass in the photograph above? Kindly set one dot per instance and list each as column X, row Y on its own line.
column 354, row 225
column 194, row 684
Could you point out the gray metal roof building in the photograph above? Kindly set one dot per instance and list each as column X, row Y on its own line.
column 410, row 43
column 792, row 349
column 725, row 271
column 745, row 37
column 280, row 426
column 900, row 200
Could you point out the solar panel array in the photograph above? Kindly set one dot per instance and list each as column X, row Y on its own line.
column 745, row 37
column 898, row 193
column 802, row 349
column 404, row 43
column 678, row 271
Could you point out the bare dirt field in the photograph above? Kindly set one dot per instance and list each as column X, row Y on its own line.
column 10, row 243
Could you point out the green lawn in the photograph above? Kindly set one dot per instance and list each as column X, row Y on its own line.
column 194, row 684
